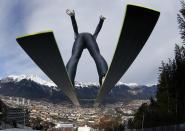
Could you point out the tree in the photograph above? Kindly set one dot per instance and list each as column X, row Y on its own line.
column 169, row 108
column 180, row 18
column 3, row 111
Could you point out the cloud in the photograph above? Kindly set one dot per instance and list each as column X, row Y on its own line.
column 19, row 18
column 13, row 60
column 160, row 45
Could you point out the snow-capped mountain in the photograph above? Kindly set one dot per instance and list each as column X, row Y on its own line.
column 34, row 78
column 33, row 87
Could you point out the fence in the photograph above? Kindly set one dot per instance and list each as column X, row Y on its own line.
column 180, row 127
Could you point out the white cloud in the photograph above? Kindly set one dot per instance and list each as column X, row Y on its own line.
column 46, row 14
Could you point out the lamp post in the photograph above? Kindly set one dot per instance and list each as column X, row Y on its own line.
column 143, row 120
column 24, row 117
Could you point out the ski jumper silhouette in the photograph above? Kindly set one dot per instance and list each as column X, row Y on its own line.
column 86, row 41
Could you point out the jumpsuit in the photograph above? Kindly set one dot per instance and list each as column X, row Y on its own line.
column 86, row 41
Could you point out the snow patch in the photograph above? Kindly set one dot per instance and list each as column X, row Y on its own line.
column 83, row 84
column 135, row 92
column 131, row 84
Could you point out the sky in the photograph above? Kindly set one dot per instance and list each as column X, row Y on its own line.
column 20, row 17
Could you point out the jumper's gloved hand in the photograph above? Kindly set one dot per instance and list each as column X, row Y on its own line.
column 102, row 17
column 70, row 13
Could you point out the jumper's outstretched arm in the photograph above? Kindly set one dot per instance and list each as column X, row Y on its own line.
column 98, row 28
column 73, row 20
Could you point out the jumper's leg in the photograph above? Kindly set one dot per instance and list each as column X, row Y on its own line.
column 73, row 61
column 101, row 64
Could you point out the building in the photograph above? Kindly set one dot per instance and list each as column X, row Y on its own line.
column 84, row 128
column 17, row 115
column 63, row 127
column 14, row 115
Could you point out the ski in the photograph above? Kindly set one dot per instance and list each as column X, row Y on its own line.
column 43, row 50
column 138, row 24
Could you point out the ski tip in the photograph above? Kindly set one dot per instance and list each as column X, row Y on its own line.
column 142, row 6
column 37, row 33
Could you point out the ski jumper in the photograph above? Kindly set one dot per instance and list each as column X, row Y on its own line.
column 86, row 41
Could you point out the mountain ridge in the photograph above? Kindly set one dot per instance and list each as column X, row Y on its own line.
column 33, row 87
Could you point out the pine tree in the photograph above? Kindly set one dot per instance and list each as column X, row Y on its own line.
column 169, row 108
column 180, row 18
